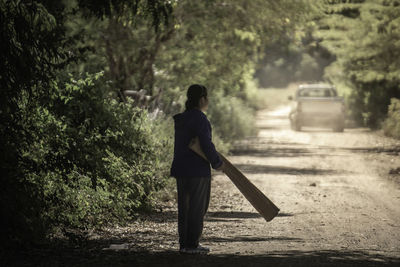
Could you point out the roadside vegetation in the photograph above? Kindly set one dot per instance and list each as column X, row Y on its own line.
column 391, row 126
column 76, row 152
column 362, row 35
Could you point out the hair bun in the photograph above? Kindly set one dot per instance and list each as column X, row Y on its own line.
column 194, row 93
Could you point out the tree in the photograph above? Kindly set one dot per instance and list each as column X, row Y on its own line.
column 211, row 42
column 362, row 35
column 35, row 47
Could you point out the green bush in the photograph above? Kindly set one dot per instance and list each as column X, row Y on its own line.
column 87, row 160
column 231, row 118
column 391, row 126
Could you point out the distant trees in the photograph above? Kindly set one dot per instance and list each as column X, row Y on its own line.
column 363, row 35
column 294, row 58
column 212, row 42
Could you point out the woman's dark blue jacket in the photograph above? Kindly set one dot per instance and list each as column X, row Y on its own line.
column 187, row 163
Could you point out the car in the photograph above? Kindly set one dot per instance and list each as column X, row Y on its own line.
column 317, row 105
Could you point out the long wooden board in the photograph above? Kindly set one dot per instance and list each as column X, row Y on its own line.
column 267, row 209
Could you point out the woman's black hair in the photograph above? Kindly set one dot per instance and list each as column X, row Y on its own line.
column 194, row 93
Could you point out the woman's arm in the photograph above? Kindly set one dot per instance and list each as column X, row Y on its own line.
column 203, row 131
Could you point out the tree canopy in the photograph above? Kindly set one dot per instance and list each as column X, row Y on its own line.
column 363, row 35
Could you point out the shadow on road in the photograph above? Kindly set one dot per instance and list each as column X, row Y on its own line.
column 256, row 168
column 172, row 216
column 275, row 152
column 241, row 214
column 272, row 127
column 249, row 239
column 233, row 214
column 390, row 151
column 172, row 258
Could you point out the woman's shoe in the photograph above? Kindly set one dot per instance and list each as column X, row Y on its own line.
column 199, row 250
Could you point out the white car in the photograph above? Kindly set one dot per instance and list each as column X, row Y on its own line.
column 317, row 105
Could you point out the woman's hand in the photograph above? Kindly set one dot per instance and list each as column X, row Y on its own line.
column 222, row 167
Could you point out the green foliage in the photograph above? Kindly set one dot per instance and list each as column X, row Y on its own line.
column 232, row 110
column 391, row 126
column 363, row 36
column 157, row 10
column 31, row 44
column 32, row 40
column 293, row 58
column 90, row 160
column 216, row 44
column 76, row 154
column 208, row 42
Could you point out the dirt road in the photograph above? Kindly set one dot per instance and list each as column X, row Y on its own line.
column 332, row 188
column 338, row 203
column 339, row 207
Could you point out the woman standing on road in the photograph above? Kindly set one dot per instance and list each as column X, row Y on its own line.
column 192, row 172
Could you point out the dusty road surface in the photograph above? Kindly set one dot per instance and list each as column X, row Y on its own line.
column 339, row 207
column 333, row 189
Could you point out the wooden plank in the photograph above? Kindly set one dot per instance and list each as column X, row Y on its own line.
column 267, row 209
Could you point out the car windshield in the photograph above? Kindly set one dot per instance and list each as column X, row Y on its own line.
column 317, row 92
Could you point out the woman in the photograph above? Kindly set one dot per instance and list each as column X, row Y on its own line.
column 192, row 172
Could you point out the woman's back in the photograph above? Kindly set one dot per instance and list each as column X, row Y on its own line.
column 186, row 163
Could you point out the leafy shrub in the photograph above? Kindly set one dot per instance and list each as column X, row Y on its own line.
column 87, row 160
column 391, row 126
column 231, row 118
